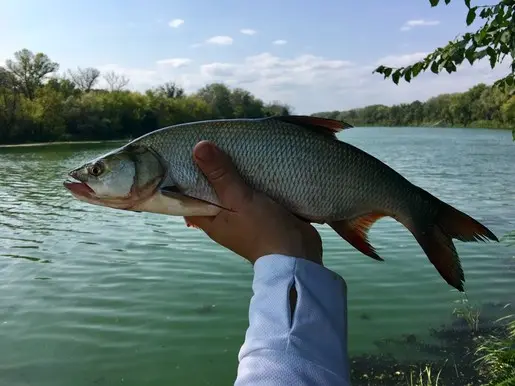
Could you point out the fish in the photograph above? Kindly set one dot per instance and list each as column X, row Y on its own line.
column 296, row 160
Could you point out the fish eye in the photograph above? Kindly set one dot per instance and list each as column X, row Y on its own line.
column 96, row 169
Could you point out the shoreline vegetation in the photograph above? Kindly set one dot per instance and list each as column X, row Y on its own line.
column 481, row 106
column 476, row 348
column 37, row 105
column 126, row 140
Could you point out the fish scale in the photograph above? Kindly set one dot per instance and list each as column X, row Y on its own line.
column 306, row 180
column 298, row 162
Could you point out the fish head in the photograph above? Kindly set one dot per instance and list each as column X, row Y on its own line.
column 119, row 179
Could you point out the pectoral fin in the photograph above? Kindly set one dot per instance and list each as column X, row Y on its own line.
column 193, row 206
column 170, row 201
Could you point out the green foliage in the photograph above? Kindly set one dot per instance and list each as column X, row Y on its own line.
column 480, row 106
column 497, row 355
column 468, row 313
column 35, row 108
column 423, row 378
column 495, row 39
column 30, row 70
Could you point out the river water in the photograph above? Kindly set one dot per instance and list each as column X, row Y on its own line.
column 95, row 296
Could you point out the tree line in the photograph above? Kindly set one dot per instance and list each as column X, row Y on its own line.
column 481, row 106
column 39, row 105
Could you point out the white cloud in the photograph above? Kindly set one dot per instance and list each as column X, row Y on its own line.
column 248, row 31
column 279, row 42
column 401, row 60
column 313, row 83
column 418, row 23
column 220, row 40
column 175, row 62
column 176, row 23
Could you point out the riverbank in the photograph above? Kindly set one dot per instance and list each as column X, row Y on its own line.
column 474, row 349
column 425, row 125
column 440, row 125
column 34, row 144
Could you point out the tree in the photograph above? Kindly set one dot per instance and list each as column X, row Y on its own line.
column 277, row 108
column 30, row 70
column 170, row 90
column 65, row 86
column 9, row 103
column 85, row 78
column 495, row 39
column 116, row 82
column 218, row 96
column 480, row 106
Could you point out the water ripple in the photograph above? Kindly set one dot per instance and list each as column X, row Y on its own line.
column 142, row 299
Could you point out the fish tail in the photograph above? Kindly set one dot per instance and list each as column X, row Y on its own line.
column 435, row 226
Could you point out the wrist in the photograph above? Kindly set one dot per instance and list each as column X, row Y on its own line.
column 314, row 259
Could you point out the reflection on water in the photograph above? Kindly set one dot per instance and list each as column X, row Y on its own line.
column 96, row 296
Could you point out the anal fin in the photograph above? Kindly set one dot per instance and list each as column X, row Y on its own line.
column 355, row 232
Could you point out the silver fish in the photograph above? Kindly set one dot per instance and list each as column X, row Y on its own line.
column 295, row 160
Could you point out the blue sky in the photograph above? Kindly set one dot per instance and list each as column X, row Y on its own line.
column 325, row 62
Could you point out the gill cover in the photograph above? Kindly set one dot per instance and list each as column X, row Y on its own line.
column 121, row 178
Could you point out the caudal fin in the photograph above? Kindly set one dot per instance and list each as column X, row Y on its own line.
column 435, row 237
column 433, row 226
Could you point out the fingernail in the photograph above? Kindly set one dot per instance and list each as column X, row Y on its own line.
column 206, row 152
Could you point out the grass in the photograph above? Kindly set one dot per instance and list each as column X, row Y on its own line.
column 477, row 348
column 424, row 377
column 496, row 355
column 470, row 314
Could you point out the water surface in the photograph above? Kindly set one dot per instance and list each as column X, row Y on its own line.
column 95, row 296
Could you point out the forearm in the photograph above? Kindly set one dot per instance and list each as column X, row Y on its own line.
column 308, row 347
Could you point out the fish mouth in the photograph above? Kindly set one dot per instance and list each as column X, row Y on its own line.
column 78, row 188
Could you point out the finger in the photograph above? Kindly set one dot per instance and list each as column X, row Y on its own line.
column 221, row 173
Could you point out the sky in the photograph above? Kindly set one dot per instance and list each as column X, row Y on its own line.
column 313, row 55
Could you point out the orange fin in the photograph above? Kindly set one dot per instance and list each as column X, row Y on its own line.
column 435, row 236
column 355, row 232
column 331, row 126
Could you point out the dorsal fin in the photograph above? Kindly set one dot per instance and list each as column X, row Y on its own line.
column 330, row 126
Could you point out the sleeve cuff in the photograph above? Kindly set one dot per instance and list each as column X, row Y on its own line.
column 318, row 330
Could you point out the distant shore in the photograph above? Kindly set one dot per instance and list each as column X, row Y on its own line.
column 33, row 144
column 78, row 142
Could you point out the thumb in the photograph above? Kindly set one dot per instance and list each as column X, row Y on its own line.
column 222, row 174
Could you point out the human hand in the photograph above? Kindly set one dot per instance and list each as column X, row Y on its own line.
column 256, row 225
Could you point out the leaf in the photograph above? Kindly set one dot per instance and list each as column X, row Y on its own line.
column 447, row 1
column 380, row 69
column 434, row 67
column 481, row 54
column 434, row 3
column 387, row 72
column 417, row 67
column 395, row 77
column 493, row 59
column 471, row 15
column 467, row 3
column 505, row 37
column 407, row 74
column 504, row 49
column 493, row 56
column 470, row 54
column 450, row 67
